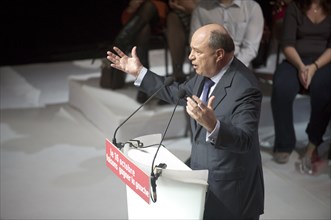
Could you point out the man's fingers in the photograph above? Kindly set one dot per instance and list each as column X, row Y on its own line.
column 196, row 99
column 112, row 57
column 119, row 52
column 211, row 101
column 201, row 105
column 134, row 52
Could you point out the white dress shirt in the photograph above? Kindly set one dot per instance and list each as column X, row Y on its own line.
column 243, row 19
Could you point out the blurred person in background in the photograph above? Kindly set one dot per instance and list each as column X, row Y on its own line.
column 243, row 20
column 143, row 18
column 306, row 44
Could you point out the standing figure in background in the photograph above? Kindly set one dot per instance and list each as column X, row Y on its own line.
column 242, row 19
column 306, row 44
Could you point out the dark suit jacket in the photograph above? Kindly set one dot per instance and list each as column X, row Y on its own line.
column 236, row 188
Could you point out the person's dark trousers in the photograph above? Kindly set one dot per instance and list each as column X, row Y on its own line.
column 127, row 36
column 286, row 86
column 113, row 78
column 320, row 103
column 212, row 210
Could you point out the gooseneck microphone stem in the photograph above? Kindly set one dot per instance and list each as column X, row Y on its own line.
column 154, row 176
column 168, row 81
column 119, row 145
column 158, row 148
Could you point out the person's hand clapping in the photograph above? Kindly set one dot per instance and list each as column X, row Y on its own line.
column 121, row 61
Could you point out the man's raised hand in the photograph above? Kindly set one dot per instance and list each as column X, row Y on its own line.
column 121, row 61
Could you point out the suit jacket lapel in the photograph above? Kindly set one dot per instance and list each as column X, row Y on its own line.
column 199, row 86
column 219, row 92
column 197, row 90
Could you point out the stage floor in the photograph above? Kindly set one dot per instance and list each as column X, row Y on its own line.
column 53, row 157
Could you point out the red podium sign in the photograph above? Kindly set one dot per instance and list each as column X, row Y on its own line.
column 127, row 171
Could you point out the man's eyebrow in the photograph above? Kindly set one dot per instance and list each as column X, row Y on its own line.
column 195, row 48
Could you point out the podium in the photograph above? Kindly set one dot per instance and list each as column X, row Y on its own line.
column 180, row 190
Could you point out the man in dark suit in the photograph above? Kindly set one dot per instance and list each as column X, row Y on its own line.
column 224, row 128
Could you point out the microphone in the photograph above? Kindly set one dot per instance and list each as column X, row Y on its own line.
column 158, row 169
column 167, row 82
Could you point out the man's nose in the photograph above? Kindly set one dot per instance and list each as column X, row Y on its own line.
column 190, row 56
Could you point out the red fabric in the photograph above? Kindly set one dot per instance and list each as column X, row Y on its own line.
column 279, row 9
column 161, row 6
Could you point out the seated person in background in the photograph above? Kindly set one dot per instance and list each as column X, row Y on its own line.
column 306, row 44
column 178, row 30
column 242, row 19
column 141, row 19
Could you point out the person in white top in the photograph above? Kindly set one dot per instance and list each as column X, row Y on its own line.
column 243, row 19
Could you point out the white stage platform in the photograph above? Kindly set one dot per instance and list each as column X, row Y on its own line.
column 107, row 109
column 53, row 159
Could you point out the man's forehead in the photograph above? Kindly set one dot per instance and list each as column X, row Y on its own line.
column 200, row 38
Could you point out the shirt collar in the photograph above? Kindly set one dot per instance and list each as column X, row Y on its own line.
column 234, row 3
column 219, row 75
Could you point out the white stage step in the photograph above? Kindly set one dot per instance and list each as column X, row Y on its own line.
column 107, row 109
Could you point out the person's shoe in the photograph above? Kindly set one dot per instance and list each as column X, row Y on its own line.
column 306, row 166
column 320, row 166
column 306, row 163
column 312, row 165
column 281, row 157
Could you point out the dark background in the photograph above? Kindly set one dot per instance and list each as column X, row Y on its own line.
column 47, row 31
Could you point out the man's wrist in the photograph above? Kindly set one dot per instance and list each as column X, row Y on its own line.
column 139, row 70
column 211, row 136
column 139, row 77
column 316, row 65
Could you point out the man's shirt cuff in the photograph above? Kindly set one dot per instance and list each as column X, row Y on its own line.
column 140, row 77
column 211, row 137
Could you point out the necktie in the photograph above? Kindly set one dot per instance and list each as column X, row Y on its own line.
column 206, row 88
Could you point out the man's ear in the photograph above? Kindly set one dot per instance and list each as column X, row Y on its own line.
column 220, row 54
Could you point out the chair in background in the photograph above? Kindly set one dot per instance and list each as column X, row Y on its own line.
column 159, row 41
